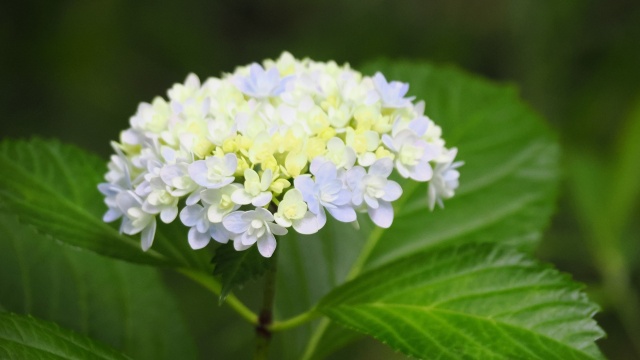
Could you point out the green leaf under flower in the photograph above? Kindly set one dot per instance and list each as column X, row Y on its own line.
column 235, row 268
column 506, row 195
column 53, row 187
column 124, row 305
column 25, row 337
column 470, row 301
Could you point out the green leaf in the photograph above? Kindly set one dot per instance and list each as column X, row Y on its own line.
column 470, row 301
column 124, row 305
column 309, row 266
column 24, row 337
column 625, row 173
column 508, row 182
column 53, row 187
column 235, row 268
column 506, row 195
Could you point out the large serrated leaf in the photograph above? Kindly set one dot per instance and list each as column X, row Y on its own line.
column 124, row 305
column 53, row 187
column 25, row 337
column 506, row 194
column 509, row 179
column 235, row 268
column 470, row 301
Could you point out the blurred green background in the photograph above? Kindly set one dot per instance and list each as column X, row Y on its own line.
column 77, row 70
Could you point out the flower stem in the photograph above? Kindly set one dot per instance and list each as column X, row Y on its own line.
column 211, row 284
column 263, row 327
column 294, row 321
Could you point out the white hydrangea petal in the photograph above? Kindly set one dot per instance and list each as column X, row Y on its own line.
column 389, row 143
column 282, row 221
column 219, row 233
column 392, row 191
column 231, row 162
column 148, row 233
column 419, row 125
column 126, row 200
column 234, row 222
column 112, row 215
column 309, row 224
column 215, row 214
column 367, row 159
column 277, row 229
column 247, row 239
column 422, row 172
column 316, row 163
column 343, row 197
column 262, row 199
column 241, row 197
column 194, row 197
column 382, row 215
column 402, row 170
column 382, row 167
column 265, row 181
column 354, row 177
column 198, row 240
column 343, row 213
column 267, row 245
column 251, row 176
column 191, row 214
column 263, row 214
column 326, row 173
column 431, row 196
column 238, row 245
column 198, row 172
column 371, row 201
column 169, row 214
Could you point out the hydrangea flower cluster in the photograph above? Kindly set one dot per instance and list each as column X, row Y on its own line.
column 271, row 147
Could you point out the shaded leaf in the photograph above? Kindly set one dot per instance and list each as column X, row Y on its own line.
column 235, row 268
column 309, row 267
column 476, row 301
column 121, row 304
column 53, row 187
column 24, row 337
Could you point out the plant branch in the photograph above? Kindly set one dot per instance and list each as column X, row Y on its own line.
column 211, row 284
column 263, row 327
column 294, row 321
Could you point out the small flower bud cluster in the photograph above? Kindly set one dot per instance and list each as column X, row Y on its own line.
column 271, row 147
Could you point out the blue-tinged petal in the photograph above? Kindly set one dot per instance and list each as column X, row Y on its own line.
column 383, row 215
column 198, row 240
column 234, row 222
column 241, row 197
column 219, row 233
column 191, row 214
column 392, row 191
column 309, row 224
column 198, row 172
column 169, row 214
column 267, row 245
column 382, row 167
column 343, row 213
column 238, row 245
column 277, row 229
column 148, row 233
